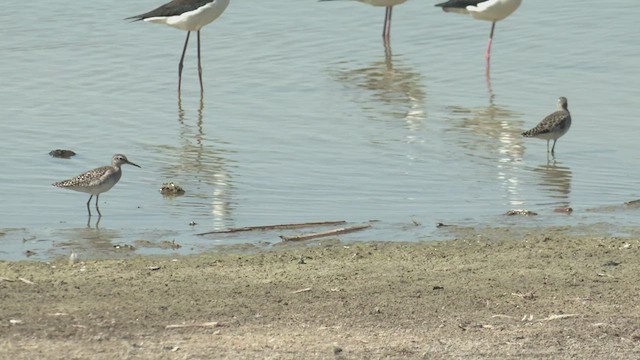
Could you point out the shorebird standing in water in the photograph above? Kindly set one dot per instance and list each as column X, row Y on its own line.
column 98, row 180
column 553, row 126
column 188, row 15
column 490, row 10
column 389, row 4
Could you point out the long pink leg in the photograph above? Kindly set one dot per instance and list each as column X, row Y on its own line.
column 386, row 30
column 487, row 55
column 199, row 66
column 181, row 64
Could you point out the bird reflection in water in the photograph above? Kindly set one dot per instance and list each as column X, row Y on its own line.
column 555, row 179
column 396, row 89
column 97, row 222
column 487, row 130
column 200, row 158
column 490, row 135
column 89, row 241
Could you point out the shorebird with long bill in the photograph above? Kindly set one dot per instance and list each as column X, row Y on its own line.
column 553, row 126
column 98, row 180
column 489, row 10
column 389, row 4
column 187, row 15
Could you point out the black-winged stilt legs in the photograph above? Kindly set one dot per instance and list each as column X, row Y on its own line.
column 490, row 10
column 389, row 4
column 188, row 15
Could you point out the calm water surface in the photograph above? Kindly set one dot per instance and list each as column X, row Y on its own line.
column 306, row 116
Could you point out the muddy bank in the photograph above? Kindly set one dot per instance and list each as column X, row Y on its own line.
column 492, row 296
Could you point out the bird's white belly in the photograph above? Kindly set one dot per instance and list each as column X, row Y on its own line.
column 193, row 20
column 383, row 2
column 494, row 10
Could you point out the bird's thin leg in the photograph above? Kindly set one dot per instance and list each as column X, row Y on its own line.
column 97, row 208
column 200, row 66
column 487, row 55
column 553, row 148
column 386, row 30
column 88, row 201
column 388, row 54
column 181, row 64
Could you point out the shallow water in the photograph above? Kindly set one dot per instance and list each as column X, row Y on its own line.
column 307, row 117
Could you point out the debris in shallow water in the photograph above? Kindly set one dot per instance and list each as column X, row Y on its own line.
column 633, row 203
column 166, row 244
column 338, row 231
column 274, row 227
column 124, row 247
column 60, row 153
column 29, row 253
column 565, row 210
column 171, row 189
column 439, row 225
column 520, row 212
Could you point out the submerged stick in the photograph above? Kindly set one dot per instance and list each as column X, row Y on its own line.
column 274, row 227
column 324, row 233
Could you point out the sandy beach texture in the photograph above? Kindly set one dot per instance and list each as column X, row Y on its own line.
column 545, row 295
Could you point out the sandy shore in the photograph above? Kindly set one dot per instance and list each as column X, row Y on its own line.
column 538, row 296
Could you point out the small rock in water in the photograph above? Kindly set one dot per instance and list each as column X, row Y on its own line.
column 60, row 153
column 520, row 212
column 171, row 189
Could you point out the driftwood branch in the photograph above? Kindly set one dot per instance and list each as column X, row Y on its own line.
column 274, row 227
column 202, row 325
column 301, row 290
column 324, row 233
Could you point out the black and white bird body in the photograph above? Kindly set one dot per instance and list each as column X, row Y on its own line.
column 187, row 15
column 488, row 10
column 553, row 126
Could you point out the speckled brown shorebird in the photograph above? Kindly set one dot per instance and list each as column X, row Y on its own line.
column 98, row 180
column 553, row 126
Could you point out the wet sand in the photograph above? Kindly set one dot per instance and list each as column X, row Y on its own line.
column 490, row 295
